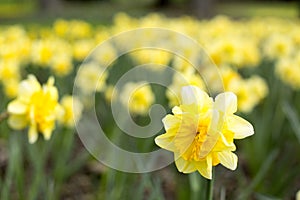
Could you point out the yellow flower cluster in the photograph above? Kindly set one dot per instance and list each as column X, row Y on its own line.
column 232, row 45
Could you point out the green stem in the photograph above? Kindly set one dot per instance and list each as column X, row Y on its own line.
column 210, row 187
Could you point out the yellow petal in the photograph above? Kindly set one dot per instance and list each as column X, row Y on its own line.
column 223, row 144
column 176, row 110
column 184, row 166
column 170, row 121
column 212, row 135
column 194, row 95
column 239, row 126
column 17, row 122
column 28, row 87
column 52, row 91
column 47, row 134
column 165, row 141
column 186, row 132
column 228, row 159
column 226, row 102
column 17, row 107
column 50, row 81
column 32, row 134
column 205, row 167
column 190, row 108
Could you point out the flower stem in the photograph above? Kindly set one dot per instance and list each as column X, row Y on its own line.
column 3, row 116
column 210, row 188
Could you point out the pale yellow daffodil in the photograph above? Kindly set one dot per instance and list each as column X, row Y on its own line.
column 201, row 131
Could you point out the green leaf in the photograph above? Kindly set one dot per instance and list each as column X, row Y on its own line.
column 292, row 117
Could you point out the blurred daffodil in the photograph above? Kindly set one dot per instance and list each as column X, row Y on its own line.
column 180, row 80
column 36, row 106
column 72, row 111
column 138, row 97
column 201, row 131
column 91, row 78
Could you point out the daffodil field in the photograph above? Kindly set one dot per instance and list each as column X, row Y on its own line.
column 171, row 99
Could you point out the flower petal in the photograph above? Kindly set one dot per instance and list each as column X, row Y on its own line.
column 228, row 159
column 184, row 166
column 32, row 134
column 17, row 122
column 165, row 141
column 241, row 128
column 186, row 132
column 47, row 133
column 212, row 135
column 226, row 102
column 205, row 167
column 223, row 144
column 193, row 95
column 170, row 121
column 176, row 110
column 17, row 107
column 28, row 87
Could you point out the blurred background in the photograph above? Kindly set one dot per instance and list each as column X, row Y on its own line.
column 45, row 11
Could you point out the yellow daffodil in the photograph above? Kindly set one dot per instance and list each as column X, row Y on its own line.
column 288, row 70
column 254, row 85
column 110, row 93
column 201, row 131
column 62, row 64
column 180, row 80
column 11, row 88
column 159, row 57
column 91, row 78
column 9, row 69
column 36, row 106
column 278, row 46
column 138, row 97
column 81, row 48
column 72, row 111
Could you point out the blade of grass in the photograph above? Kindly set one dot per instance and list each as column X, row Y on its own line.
column 13, row 150
column 260, row 175
column 292, row 117
column 263, row 197
column 65, row 139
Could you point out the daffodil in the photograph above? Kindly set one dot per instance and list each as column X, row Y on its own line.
column 36, row 106
column 91, row 78
column 201, row 131
column 72, row 111
column 159, row 57
column 180, row 80
column 288, row 70
column 138, row 97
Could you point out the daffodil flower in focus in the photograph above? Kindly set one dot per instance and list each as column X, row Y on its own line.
column 201, row 131
column 36, row 106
